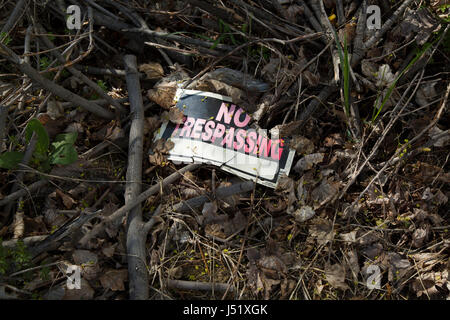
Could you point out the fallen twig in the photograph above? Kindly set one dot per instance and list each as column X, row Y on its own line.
column 52, row 241
column 3, row 116
column 78, row 74
column 221, row 193
column 26, row 159
column 13, row 18
column 23, row 192
column 56, row 89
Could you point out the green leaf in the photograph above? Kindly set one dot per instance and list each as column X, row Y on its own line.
column 9, row 160
column 65, row 138
column 64, row 154
column 63, row 151
column 43, row 141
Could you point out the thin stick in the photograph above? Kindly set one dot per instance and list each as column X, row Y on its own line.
column 54, row 88
column 26, row 159
column 78, row 74
column 13, row 18
column 3, row 116
column 400, row 150
column 220, row 193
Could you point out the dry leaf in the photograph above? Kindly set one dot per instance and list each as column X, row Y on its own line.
column 88, row 261
column 153, row 70
column 271, row 70
column 84, row 293
column 160, row 149
column 321, row 230
column 427, row 283
column 108, row 251
column 163, row 95
column 151, row 124
column 324, row 192
column 308, row 161
column 335, row 275
column 353, row 264
column 67, row 200
column 349, row 237
column 419, row 236
column 55, row 109
column 303, row 214
column 174, row 115
column 384, row 77
column 237, row 79
column 114, row 279
column 301, row 145
column 175, row 273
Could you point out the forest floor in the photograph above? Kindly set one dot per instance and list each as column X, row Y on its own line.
column 359, row 90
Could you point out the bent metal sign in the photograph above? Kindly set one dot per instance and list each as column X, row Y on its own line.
column 216, row 131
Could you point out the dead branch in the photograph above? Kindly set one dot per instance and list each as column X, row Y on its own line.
column 52, row 241
column 135, row 237
column 78, row 74
column 3, row 116
column 113, row 218
column 54, row 88
column 221, row 193
column 198, row 286
column 13, row 18
column 23, row 192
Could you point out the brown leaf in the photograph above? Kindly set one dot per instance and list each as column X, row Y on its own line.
column 308, row 161
column 176, row 272
column 321, row 230
column 55, row 109
column 153, row 70
column 109, row 250
column 334, row 139
column 353, row 264
column 88, row 261
column 271, row 70
column 324, row 192
column 303, row 214
column 174, row 115
column 163, row 95
column 419, row 236
column 84, row 293
column 114, row 279
column 151, row 124
column 301, row 145
column 293, row 11
column 427, row 283
column 335, row 275
column 160, row 148
column 67, row 200
column 238, row 96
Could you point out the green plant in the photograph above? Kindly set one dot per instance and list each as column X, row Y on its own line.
column 60, row 151
column 345, row 68
column 419, row 54
column 346, row 72
column 12, row 259
column 102, row 85
column 44, row 62
column 4, row 38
